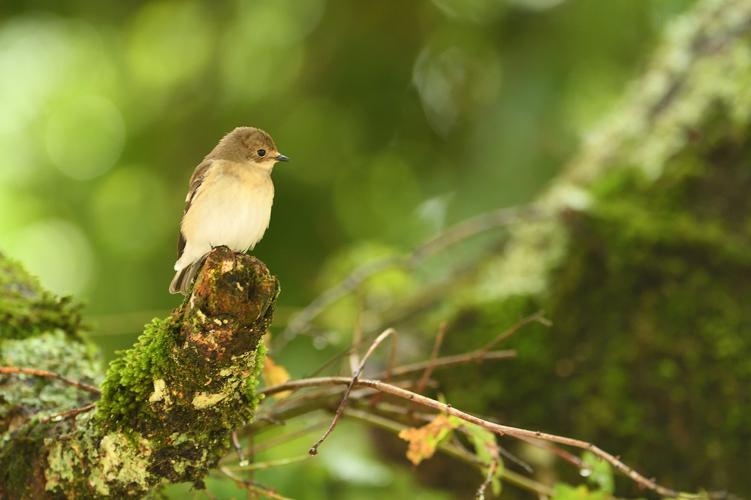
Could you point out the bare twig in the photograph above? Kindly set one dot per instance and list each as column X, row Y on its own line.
column 64, row 415
column 433, row 356
column 289, row 436
column 492, row 468
column 515, row 459
column 12, row 370
column 557, row 450
column 386, row 408
column 354, row 357
column 269, row 463
column 449, row 361
column 355, row 377
column 252, row 486
column 463, row 230
column 476, row 355
column 238, row 449
column 392, row 358
column 452, row 450
column 296, row 405
column 537, row 317
column 502, row 430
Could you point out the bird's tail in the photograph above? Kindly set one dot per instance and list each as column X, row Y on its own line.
column 184, row 278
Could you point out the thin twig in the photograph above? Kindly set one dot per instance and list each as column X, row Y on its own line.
column 556, row 450
column 515, row 459
column 492, row 468
column 296, row 405
column 433, row 356
column 502, row 430
column 252, row 485
column 64, row 415
column 401, row 411
column 238, row 449
column 269, row 463
column 289, row 436
column 12, row 370
column 452, row 450
column 354, row 357
column 392, row 358
column 450, row 236
column 355, row 377
column 537, row 317
column 449, row 361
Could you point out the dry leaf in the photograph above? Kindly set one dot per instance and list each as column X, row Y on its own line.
column 424, row 440
column 275, row 374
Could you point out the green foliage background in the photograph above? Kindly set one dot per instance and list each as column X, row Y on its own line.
column 400, row 117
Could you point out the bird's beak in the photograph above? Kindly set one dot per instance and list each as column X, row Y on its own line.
column 281, row 157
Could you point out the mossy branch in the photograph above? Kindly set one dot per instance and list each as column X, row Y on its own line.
column 168, row 404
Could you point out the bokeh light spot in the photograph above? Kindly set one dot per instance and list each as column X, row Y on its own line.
column 85, row 136
column 169, row 43
column 56, row 251
column 131, row 213
column 261, row 52
column 472, row 10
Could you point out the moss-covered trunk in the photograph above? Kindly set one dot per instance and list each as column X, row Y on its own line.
column 644, row 268
column 168, row 404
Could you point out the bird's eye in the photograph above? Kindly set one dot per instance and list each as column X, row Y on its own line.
column 261, row 152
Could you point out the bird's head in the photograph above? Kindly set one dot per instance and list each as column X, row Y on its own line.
column 248, row 144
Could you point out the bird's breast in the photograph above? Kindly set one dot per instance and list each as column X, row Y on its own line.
column 232, row 208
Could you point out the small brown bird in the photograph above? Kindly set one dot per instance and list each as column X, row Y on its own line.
column 229, row 201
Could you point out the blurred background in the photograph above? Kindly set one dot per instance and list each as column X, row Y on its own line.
column 400, row 118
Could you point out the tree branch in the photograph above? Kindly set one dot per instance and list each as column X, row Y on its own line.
column 168, row 405
column 501, row 430
column 48, row 374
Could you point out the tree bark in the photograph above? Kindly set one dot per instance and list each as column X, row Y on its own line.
column 168, row 404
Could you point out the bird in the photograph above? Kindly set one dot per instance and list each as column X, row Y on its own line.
column 228, row 203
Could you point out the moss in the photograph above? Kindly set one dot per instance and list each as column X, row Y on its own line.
column 130, row 378
column 252, row 381
column 648, row 282
column 190, row 379
column 20, row 453
column 168, row 404
column 652, row 329
column 26, row 309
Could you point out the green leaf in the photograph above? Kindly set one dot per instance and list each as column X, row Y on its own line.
column 486, row 450
column 600, row 472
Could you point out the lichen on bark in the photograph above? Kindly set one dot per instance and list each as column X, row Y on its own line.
column 168, row 404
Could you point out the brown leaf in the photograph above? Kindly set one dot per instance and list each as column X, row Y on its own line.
column 274, row 374
column 424, row 440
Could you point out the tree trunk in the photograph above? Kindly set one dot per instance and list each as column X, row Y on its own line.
column 168, row 404
column 644, row 266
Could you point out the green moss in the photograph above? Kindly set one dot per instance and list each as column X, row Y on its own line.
column 652, row 329
column 252, row 381
column 168, row 404
column 650, row 288
column 19, row 454
column 27, row 310
column 130, row 377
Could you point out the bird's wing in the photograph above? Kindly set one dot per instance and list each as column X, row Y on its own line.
column 199, row 174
